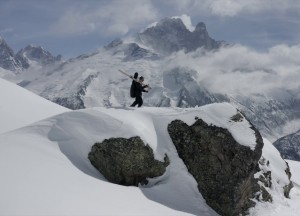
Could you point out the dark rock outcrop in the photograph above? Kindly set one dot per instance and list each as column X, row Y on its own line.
column 223, row 168
column 126, row 161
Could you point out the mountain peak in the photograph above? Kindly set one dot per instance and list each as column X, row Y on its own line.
column 171, row 23
column 171, row 35
column 8, row 59
column 3, row 42
column 200, row 27
column 37, row 54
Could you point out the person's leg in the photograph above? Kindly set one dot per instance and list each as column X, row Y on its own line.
column 140, row 101
column 135, row 102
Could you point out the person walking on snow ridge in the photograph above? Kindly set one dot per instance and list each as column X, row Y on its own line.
column 138, row 89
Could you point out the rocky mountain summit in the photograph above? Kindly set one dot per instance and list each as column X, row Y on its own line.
column 171, row 35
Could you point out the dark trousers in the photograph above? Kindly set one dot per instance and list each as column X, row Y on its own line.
column 138, row 101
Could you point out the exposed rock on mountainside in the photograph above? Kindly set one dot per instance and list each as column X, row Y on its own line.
column 171, row 35
column 289, row 146
column 223, row 168
column 8, row 59
column 126, row 161
column 25, row 57
column 36, row 54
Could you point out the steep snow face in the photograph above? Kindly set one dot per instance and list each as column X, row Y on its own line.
column 62, row 181
column 19, row 107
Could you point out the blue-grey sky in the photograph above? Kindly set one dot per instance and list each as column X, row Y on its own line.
column 74, row 27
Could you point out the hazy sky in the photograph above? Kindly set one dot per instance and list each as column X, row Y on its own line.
column 74, row 27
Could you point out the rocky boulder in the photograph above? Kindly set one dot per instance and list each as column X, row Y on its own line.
column 126, row 161
column 223, row 169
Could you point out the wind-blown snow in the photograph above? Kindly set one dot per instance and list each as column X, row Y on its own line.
column 19, row 107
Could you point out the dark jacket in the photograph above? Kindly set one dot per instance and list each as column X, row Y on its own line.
column 139, row 89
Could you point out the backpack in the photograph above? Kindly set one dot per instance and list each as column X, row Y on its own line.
column 133, row 86
column 132, row 89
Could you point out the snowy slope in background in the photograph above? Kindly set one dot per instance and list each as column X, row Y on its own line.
column 271, row 100
column 179, row 80
column 20, row 107
column 45, row 169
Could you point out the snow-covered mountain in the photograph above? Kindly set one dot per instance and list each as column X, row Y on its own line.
column 8, row 59
column 36, row 55
column 57, row 178
column 289, row 146
column 185, row 70
column 171, row 35
column 94, row 80
column 26, row 57
column 45, row 168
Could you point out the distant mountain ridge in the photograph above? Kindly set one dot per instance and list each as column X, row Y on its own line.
column 92, row 80
column 25, row 57
column 8, row 59
column 289, row 146
column 37, row 54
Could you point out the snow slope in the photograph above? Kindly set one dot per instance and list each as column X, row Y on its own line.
column 19, row 107
column 45, row 169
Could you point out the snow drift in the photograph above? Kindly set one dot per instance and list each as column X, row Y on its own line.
column 19, row 107
column 45, row 168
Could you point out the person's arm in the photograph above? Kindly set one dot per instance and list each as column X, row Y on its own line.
column 145, row 86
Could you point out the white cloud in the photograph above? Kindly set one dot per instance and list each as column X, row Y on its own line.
column 187, row 21
column 115, row 18
column 239, row 69
column 232, row 7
